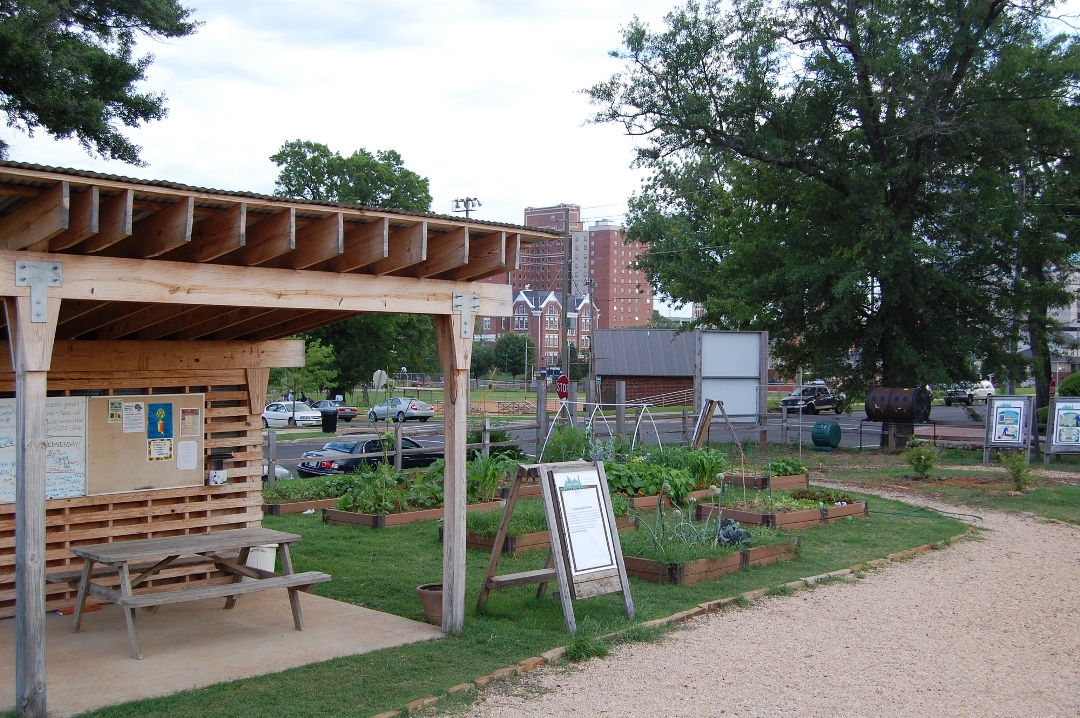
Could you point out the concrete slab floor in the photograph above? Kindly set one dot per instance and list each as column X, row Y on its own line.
column 190, row 645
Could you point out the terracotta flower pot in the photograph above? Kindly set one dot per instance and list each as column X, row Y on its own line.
column 431, row 596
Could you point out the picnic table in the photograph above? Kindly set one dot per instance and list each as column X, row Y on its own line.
column 225, row 550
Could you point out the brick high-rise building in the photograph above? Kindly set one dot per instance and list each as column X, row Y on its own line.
column 542, row 266
column 621, row 294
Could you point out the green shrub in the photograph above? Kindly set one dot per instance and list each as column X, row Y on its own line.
column 567, row 443
column 1042, row 414
column 1070, row 385
column 921, row 457
column 484, row 476
column 1015, row 462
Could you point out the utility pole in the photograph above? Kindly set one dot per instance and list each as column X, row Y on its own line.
column 466, row 205
column 564, row 340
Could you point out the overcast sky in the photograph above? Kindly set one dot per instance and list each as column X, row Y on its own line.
column 480, row 96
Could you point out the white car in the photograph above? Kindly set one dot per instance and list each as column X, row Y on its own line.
column 982, row 391
column 290, row 413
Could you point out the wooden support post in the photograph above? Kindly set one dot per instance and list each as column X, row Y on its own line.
column 620, row 408
column 397, row 445
column 31, row 353
column 485, row 437
column 455, row 353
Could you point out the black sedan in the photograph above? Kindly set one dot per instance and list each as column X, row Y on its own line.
column 340, row 457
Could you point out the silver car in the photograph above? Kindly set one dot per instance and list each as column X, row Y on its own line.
column 401, row 409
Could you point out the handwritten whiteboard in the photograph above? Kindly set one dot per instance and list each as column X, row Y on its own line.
column 65, row 448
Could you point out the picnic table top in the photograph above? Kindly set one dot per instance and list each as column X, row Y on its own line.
column 139, row 549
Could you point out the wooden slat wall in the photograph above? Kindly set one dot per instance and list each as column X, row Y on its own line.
column 230, row 429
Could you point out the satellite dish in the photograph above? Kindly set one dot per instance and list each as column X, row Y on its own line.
column 379, row 379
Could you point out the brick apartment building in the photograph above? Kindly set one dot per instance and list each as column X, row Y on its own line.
column 538, row 314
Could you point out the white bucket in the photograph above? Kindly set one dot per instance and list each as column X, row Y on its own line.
column 262, row 558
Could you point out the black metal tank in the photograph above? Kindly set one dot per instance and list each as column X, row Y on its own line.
column 895, row 404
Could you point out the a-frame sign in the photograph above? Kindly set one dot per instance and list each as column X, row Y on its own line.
column 586, row 557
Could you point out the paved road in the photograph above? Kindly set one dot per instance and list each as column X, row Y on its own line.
column 663, row 429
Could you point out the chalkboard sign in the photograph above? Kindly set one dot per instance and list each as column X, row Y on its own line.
column 65, row 447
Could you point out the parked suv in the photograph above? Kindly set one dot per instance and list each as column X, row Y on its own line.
column 813, row 398
column 983, row 391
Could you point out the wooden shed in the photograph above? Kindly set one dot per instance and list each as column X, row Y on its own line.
column 121, row 287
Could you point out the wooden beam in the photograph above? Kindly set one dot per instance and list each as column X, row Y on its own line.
column 134, row 321
column 133, row 280
column 363, row 245
column 273, row 320
column 317, row 242
column 135, row 356
column 270, row 238
column 218, row 234
column 31, row 345
column 38, row 220
column 114, row 222
column 406, row 246
column 215, row 319
column 83, row 221
column 102, row 315
column 487, row 256
column 156, row 234
column 257, row 380
column 455, row 355
column 446, row 251
column 312, row 320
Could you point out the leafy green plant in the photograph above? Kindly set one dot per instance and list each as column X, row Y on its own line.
column 638, row 478
column 380, row 494
column 821, row 496
column 1015, row 462
column 921, row 457
column 567, row 443
column 1070, row 385
column 483, row 477
column 787, row 466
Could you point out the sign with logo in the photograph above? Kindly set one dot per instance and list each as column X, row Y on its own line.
column 562, row 387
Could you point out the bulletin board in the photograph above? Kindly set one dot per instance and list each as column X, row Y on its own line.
column 153, row 441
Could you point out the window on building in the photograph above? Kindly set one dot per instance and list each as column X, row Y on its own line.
column 521, row 319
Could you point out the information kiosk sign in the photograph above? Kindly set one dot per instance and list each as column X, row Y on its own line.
column 586, row 555
column 1063, row 427
column 1009, row 424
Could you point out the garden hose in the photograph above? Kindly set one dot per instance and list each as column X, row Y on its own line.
column 914, row 513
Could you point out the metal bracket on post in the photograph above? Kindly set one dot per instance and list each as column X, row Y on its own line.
column 468, row 303
column 39, row 276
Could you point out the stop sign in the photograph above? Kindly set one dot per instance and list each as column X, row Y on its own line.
column 562, row 386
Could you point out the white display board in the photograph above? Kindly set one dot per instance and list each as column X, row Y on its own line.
column 1063, row 426
column 65, row 440
column 1010, row 424
column 732, row 367
column 584, row 522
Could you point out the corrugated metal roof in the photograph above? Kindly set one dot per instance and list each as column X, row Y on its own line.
column 642, row 352
column 254, row 195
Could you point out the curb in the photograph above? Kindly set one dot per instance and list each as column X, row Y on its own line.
column 557, row 654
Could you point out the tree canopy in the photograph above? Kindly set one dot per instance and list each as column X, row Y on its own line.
column 310, row 170
column 66, row 66
column 843, row 174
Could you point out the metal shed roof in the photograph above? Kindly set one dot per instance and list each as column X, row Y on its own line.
column 642, row 352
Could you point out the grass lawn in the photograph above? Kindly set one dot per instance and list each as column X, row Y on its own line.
column 380, row 569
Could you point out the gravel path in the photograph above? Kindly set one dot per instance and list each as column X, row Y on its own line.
column 988, row 627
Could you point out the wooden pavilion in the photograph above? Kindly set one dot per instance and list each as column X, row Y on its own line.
column 115, row 286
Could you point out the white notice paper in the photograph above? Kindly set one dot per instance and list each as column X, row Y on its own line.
column 134, row 417
column 187, row 455
column 585, row 522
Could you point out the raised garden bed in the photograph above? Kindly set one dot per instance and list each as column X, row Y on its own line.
column 788, row 520
column 337, row 517
column 525, row 542
column 703, row 569
column 297, row 507
column 776, row 483
column 649, row 502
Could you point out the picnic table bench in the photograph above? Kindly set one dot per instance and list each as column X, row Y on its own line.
column 227, row 551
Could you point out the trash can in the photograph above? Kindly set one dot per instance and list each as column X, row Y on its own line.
column 826, row 435
column 329, row 421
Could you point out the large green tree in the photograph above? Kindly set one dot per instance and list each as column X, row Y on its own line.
column 310, row 170
column 820, row 169
column 513, row 351
column 66, row 66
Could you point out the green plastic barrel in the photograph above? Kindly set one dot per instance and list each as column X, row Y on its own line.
column 826, row 435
